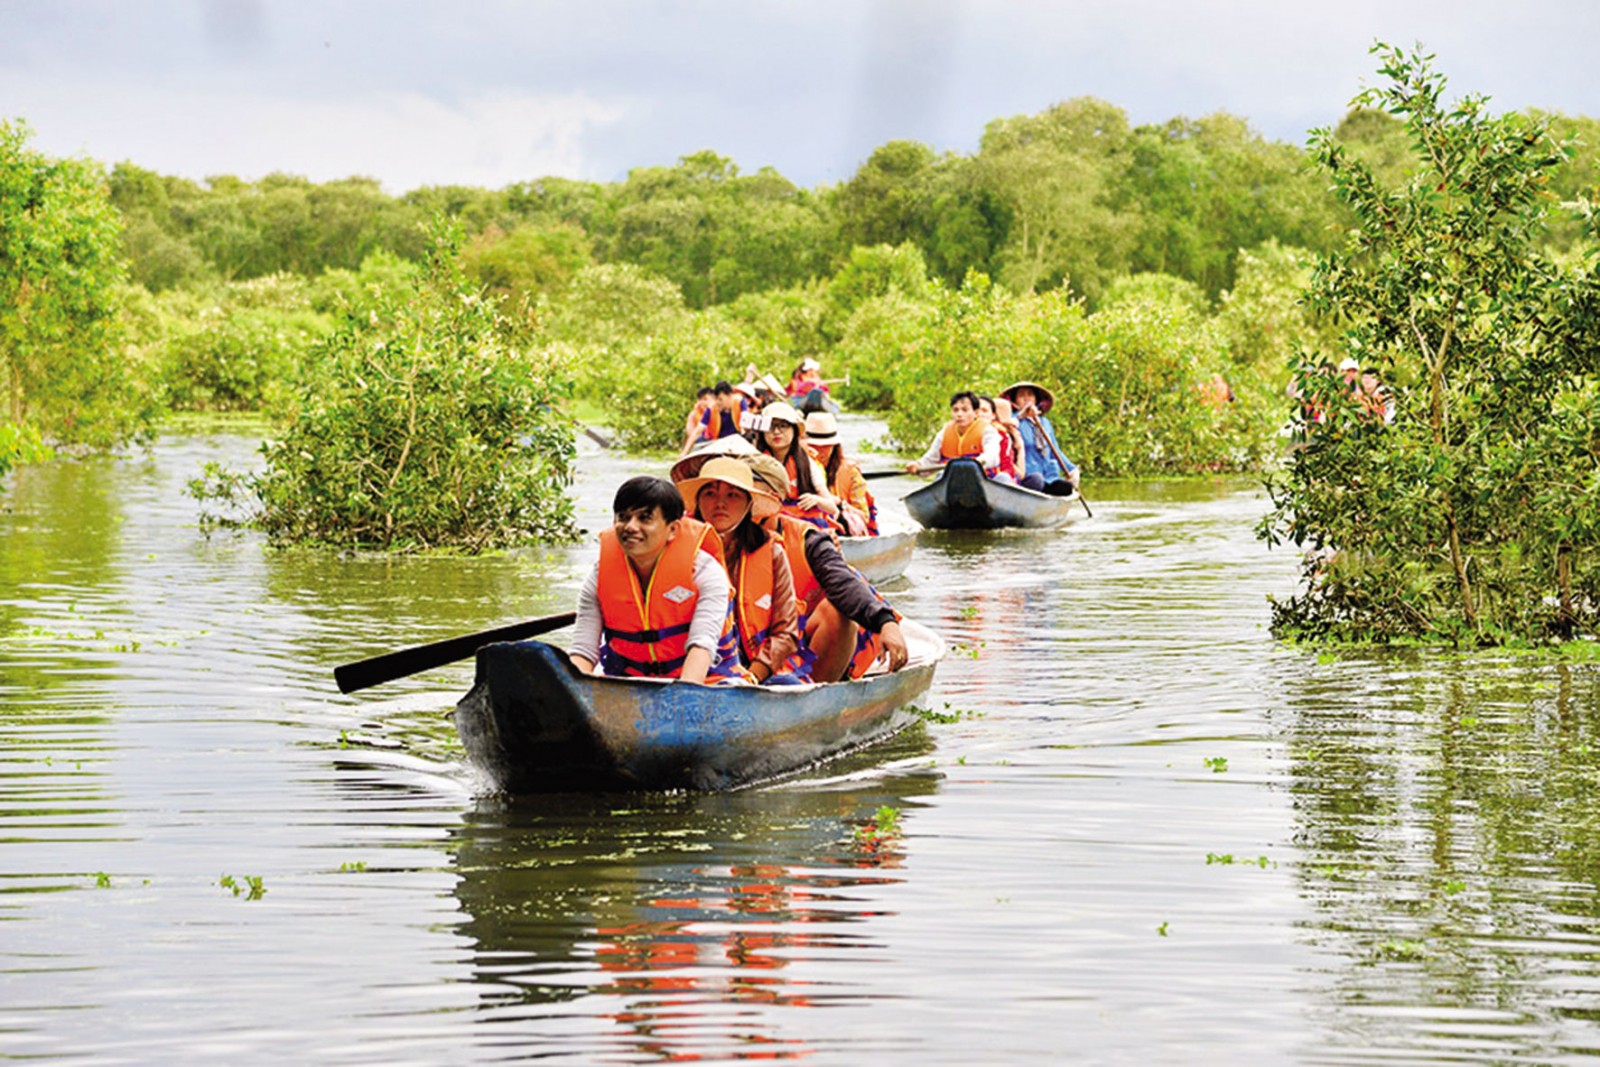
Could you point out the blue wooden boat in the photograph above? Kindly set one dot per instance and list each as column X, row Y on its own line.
column 963, row 499
column 880, row 558
column 533, row 724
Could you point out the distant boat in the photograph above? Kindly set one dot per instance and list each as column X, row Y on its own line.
column 963, row 499
column 533, row 724
column 816, row 400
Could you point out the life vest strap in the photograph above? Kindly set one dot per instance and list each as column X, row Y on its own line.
column 610, row 660
column 645, row 637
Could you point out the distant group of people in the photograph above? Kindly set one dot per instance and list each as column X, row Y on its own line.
column 727, row 408
column 1374, row 401
column 731, row 570
column 1010, row 437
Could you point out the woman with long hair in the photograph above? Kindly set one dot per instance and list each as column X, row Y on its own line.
column 1009, row 469
column 858, row 512
column 784, row 440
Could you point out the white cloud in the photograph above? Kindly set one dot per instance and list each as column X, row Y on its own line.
column 404, row 139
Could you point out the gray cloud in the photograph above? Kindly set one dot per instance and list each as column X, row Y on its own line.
column 492, row 92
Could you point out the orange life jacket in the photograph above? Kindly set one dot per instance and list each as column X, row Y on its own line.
column 752, row 599
column 850, row 487
column 645, row 631
column 791, row 534
column 791, row 503
column 956, row 444
column 718, row 424
column 807, row 590
column 869, row 646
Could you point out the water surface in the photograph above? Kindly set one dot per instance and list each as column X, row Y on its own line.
column 1150, row 834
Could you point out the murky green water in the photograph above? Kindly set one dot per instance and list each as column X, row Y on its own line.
column 1154, row 836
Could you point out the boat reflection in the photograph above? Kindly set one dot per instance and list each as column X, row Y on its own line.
column 683, row 926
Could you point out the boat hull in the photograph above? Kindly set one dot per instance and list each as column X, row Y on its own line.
column 880, row 558
column 816, row 400
column 963, row 499
column 533, row 724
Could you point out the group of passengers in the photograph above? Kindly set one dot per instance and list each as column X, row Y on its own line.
column 1373, row 401
column 724, row 575
column 1010, row 437
column 727, row 408
column 731, row 570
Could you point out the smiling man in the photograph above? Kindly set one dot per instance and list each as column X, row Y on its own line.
column 657, row 602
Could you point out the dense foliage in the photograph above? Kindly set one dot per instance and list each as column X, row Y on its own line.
column 1130, row 379
column 1074, row 195
column 425, row 424
column 1145, row 273
column 62, row 367
column 1473, row 515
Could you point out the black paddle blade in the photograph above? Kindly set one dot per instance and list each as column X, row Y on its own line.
column 365, row 673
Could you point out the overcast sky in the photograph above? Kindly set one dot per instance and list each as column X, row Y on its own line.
column 489, row 93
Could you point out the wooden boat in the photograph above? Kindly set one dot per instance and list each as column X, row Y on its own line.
column 533, row 724
column 879, row 558
column 816, row 400
column 963, row 499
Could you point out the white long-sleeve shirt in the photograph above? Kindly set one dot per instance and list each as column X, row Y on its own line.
column 705, row 628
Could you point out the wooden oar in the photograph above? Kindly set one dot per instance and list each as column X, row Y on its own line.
column 900, row 471
column 1051, row 441
column 407, row 661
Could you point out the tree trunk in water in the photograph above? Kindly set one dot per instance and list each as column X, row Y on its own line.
column 1436, row 414
column 1564, row 586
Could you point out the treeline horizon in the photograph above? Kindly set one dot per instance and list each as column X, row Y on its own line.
column 1072, row 195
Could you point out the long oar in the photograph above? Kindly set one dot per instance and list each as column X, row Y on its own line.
column 898, row 472
column 391, row 665
column 1051, row 441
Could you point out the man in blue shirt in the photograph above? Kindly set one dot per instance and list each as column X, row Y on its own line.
column 1047, row 468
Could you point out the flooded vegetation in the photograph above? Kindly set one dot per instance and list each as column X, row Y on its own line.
column 1131, row 827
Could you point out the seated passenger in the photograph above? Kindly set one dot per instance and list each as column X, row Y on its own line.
column 858, row 512
column 807, row 496
column 845, row 624
column 1010, row 438
column 965, row 436
column 719, row 419
column 657, row 602
column 723, row 494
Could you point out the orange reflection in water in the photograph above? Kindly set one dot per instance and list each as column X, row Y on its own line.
column 705, row 972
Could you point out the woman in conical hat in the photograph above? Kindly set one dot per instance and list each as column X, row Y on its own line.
column 723, row 494
column 1044, row 466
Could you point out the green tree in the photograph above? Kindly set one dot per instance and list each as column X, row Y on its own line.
column 1057, row 173
column 527, row 264
column 1475, row 515
column 64, row 370
column 1200, row 190
column 715, row 234
column 424, row 427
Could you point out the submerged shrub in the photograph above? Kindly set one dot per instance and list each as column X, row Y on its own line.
column 422, row 427
column 1465, row 507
